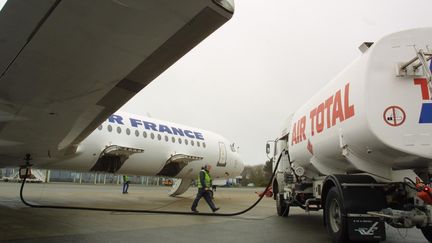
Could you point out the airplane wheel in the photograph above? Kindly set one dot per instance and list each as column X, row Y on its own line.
column 335, row 222
column 427, row 232
column 281, row 206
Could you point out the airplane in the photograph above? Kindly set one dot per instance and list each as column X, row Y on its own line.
column 130, row 144
column 67, row 66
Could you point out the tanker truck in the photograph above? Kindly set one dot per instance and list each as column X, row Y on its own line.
column 361, row 148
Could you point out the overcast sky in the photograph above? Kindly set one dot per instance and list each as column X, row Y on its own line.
column 272, row 56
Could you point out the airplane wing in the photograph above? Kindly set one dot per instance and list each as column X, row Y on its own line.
column 66, row 65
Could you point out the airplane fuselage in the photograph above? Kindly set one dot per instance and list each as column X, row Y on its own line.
column 146, row 146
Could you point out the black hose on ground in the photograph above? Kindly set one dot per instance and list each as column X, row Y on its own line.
column 150, row 211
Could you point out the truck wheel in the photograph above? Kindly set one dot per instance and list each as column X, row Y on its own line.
column 335, row 221
column 427, row 232
column 281, row 206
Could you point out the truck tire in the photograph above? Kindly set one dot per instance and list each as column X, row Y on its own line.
column 336, row 223
column 427, row 232
column 281, row 206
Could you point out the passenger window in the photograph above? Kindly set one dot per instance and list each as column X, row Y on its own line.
column 100, row 127
column 136, row 133
column 127, row 131
column 179, row 141
column 204, row 145
column 152, row 135
column 198, row 143
column 173, row 139
column 159, row 137
column 166, row 138
column 186, row 142
column 109, row 128
column 144, row 134
column 118, row 130
column 192, row 143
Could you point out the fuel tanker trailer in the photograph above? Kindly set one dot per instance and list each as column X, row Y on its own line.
column 361, row 148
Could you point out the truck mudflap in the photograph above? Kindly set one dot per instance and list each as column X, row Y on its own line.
column 363, row 227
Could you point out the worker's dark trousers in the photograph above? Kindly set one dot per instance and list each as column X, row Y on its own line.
column 125, row 187
column 206, row 194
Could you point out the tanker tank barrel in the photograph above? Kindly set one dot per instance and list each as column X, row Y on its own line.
column 360, row 148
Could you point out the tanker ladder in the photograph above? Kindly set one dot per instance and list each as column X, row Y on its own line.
column 411, row 68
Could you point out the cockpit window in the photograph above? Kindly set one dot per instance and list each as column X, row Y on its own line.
column 232, row 146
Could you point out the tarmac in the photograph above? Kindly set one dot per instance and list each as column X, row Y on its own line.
column 19, row 223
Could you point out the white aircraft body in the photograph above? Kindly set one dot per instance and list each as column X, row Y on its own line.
column 66, row 66
column 131, row 144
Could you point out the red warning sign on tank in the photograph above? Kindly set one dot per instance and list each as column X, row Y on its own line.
column 394, row 116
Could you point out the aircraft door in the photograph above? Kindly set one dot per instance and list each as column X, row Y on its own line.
column 282, row 144
column 222, row 155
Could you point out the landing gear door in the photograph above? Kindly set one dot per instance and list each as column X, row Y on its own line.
column 222, row 155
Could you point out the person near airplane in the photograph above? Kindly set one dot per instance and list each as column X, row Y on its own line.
column 204, row 188
column 125, row 184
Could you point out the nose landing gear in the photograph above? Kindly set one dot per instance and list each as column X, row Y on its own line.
column 25, row 171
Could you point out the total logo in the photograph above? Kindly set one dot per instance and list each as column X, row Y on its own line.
column 426, row 110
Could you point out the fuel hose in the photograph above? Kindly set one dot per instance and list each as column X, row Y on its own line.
column 149, row 211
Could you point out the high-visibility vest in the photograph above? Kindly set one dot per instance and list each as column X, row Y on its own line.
column 207, row 179
column 125, row 178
